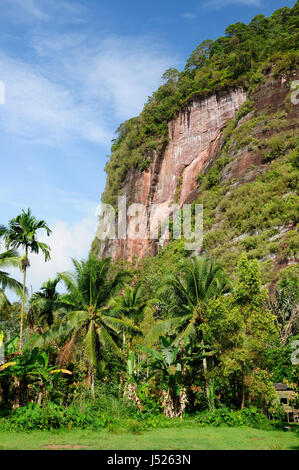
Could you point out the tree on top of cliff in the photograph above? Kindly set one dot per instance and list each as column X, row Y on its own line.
column 236, row 59
column 200, row 55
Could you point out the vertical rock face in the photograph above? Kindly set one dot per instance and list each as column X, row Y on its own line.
column 194, row 141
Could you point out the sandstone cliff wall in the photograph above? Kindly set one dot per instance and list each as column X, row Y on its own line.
column 194, row 138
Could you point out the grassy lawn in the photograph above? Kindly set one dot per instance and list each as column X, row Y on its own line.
column 208, row 438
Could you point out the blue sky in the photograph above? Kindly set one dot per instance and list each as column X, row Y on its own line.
column 73, row 70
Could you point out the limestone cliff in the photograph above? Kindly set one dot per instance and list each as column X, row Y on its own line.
column 197, row 137
column 194, row 139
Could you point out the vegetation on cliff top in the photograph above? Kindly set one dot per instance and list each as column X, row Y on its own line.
column 236, row 59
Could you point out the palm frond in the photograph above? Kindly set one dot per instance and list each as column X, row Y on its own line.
column 189, row 332
column 169, row 326
column 119, row 325
column 107, row 341
column 8, row 282
column 65, row 354
column 90, row 344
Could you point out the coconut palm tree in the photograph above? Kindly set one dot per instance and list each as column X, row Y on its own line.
column 198, row 280
column 90, row 320
column 129, row 305
column 22, row 232
column 8, row 259
column 44, row 303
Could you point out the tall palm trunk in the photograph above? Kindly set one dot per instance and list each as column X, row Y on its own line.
column 205, row 372
column 22, row 309
column 91, row 379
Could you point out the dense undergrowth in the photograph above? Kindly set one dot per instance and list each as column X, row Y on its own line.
column 98, row 414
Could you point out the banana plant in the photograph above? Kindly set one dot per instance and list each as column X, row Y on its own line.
column 171, row 362
column 29, row 368
column 131, row 380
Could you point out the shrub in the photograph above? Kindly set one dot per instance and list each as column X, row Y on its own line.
column 52, row 416
column 223, row 417
column 33, row 417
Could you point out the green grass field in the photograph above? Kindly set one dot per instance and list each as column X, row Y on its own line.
column 207, row 438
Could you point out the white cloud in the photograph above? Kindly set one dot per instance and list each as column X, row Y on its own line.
column 29, row 7
column 40, row 110
column 40, row 10
column 76, row 90
column 189, row 16
column 223, row 3
column 125, row 71
column 66, row 241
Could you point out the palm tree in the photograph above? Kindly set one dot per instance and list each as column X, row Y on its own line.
column 129, row 305
column 44, row 303
column 22, row 232
column 8, row 258
column 90, row 289
column 198, row 280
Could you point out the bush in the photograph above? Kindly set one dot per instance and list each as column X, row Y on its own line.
column 33, row 417
column 223, row 417
column 52, row 416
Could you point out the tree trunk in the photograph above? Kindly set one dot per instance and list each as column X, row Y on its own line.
column 205, row 372
column 16, row 398
column 22, row 310
column 92, row 381
column 41, row 394
column 20, row 392
column 131, row 393
column 243, row 390
column 174, row 406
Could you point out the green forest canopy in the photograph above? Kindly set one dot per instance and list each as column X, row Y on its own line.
column 236, row 59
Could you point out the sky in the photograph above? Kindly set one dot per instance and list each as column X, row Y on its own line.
column 72, row 71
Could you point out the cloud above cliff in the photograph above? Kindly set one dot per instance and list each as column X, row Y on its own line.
column 40, row 10
column 76, row 90
column 189, row 16
column 27, row 7
column 66, row 93
column 217, row 4
column 42, row 110
column 68, row 240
